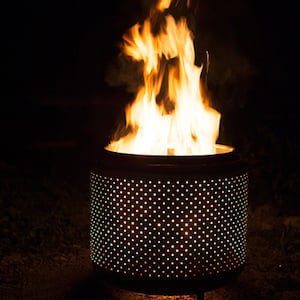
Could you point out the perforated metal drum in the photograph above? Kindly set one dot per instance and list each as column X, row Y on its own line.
column 171, row 223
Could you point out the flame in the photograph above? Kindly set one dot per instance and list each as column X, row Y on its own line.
column 170, row 115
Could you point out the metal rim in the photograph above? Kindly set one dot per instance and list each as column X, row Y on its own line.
column 206, row 165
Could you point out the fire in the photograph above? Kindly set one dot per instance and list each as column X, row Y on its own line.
column 170, row 114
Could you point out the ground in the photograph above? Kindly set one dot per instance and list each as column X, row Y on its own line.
column 44, row 221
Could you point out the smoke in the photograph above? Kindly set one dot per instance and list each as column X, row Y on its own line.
column 125, row 72
column 224, row 30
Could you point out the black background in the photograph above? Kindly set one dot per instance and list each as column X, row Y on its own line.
column 60, row 75
column 61, row 49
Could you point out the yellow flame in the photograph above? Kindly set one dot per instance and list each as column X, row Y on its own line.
column 170, row 115
column 163, row 4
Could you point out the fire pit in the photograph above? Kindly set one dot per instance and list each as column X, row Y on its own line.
column 168, row 204
column 169, row 224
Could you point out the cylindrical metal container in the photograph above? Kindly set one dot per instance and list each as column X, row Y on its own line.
column 169, row 223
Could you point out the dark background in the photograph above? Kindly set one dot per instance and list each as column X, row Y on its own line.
column 61, row 50
column 63, row 90
column 60, row 75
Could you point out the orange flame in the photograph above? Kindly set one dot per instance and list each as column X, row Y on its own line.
column 170, row 115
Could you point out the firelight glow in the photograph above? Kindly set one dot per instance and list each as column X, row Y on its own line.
column 170, row 114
